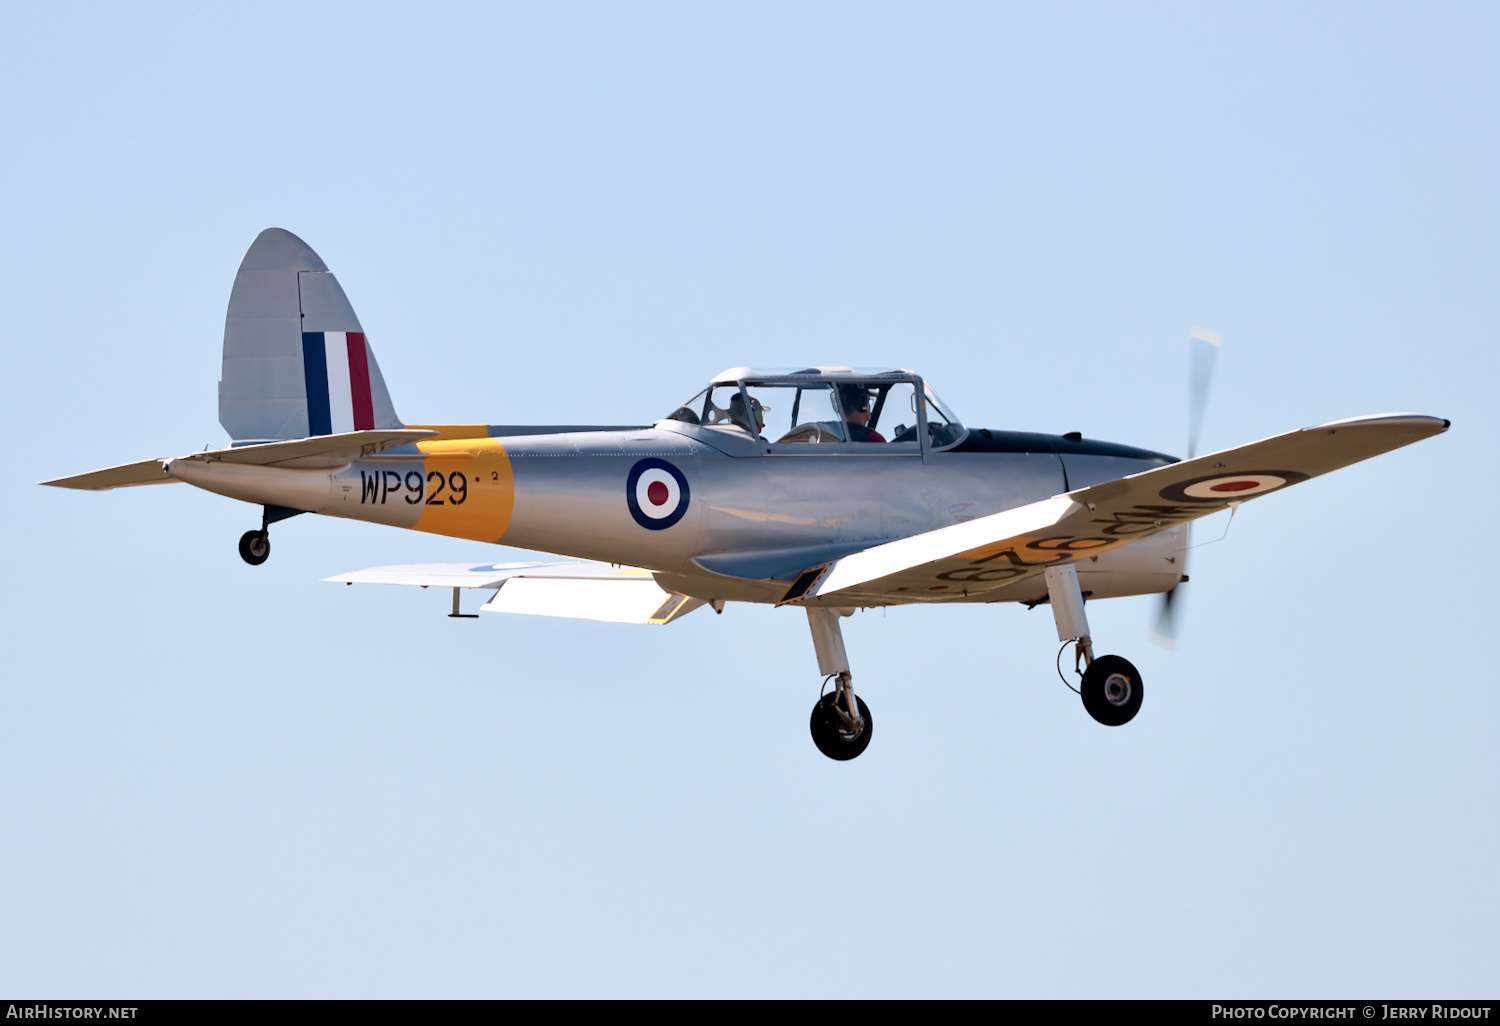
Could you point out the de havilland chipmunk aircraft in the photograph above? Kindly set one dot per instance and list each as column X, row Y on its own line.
column 827, row 488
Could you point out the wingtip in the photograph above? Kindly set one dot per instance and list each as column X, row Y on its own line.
column 1414, row 419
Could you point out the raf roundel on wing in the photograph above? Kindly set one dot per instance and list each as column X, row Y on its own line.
column 657, row 493
column 1228, row 487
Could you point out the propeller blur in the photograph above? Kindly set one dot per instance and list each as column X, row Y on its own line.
column 1203, row 354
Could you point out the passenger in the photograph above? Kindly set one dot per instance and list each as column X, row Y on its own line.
column 855, row 399
column 737, row 414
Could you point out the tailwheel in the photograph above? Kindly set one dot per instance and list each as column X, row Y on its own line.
column 837, row 734
column 255, row 547
column 1111, row 690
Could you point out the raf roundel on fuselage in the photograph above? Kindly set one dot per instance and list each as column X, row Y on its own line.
column 657, row 493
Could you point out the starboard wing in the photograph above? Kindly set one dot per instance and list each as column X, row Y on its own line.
column 580, row 591
column 997, row 551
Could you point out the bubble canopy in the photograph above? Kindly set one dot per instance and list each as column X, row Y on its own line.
column 894, row 409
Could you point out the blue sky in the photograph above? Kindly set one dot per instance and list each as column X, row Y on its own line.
column 226, row 781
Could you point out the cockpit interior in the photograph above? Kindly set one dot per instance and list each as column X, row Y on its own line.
column 824, row 405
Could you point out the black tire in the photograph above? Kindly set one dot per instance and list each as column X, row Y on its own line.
column 255, row 547
column 828, row 729
column 1112, row 690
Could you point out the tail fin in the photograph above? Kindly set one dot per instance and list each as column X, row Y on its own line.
column 296, row 362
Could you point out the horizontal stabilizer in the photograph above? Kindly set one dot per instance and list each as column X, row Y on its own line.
column 997, row 551
column 580, row 591
column 318, row 451
column 146, row 472
column 306, row 453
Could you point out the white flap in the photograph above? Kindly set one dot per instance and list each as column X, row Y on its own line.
column 619, row 601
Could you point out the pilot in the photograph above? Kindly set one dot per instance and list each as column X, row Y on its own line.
column 855, row 400
column 737, row 414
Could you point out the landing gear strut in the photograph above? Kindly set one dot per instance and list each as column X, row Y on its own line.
column 255, row 546
column 841, row 723
column 837, row 734
column 1111, row 687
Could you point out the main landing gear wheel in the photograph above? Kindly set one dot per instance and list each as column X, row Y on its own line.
column 1112, row 690
column 832, row 731
column 255, row 547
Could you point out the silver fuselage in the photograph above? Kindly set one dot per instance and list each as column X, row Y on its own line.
column 754, row 514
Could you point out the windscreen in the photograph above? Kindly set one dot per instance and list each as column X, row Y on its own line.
column 874, row 412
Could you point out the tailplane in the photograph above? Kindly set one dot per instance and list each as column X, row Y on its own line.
column 296, row 361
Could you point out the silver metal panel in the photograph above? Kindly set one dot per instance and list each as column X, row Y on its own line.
column 1084, row 471
column 750, row 516
column 773, row 564
column 728, row 440
column 277, row 249
column 510, row 430
column 261, row 391
column 952, row 488
column 261, row 394
column 296, row 489
column 324, row 305
column 819, row 500
column 262, row 296
column 570, row 496
column 380, row 398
